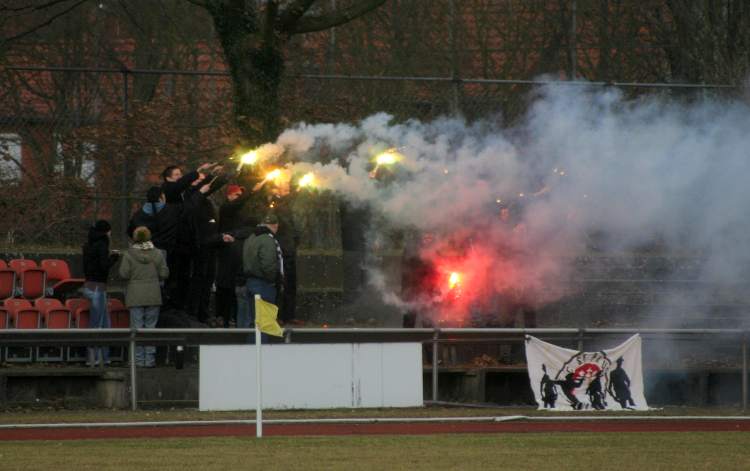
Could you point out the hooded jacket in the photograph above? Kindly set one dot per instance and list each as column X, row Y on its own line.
column 261, row 256
column 143, row 266
column 97, row 260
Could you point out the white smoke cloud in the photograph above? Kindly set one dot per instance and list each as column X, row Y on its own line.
column 585, row 161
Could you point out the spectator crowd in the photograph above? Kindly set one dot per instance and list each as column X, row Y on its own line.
column 183, row 249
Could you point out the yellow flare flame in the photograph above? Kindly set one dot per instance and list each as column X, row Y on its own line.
column 273, row 174
column 307, row 180
column 454, row 279
column 249, row 158
column 388, row 157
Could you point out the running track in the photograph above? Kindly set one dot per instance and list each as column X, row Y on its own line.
column 80, row 431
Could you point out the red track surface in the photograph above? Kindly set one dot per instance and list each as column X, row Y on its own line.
column 213, row 430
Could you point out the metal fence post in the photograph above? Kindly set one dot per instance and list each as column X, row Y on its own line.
column 133, row 381
column 744, row 371
column 580, row 340
column 435, row 344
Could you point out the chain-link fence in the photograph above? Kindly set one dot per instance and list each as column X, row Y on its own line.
column 80, row 144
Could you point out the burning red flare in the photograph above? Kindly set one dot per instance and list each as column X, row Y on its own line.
column 454, row 279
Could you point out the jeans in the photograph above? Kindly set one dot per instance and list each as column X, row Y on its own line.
column 144, row 317
column 98, row 319
column 243, row 307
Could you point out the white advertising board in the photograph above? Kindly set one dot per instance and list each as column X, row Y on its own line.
column 312, row 376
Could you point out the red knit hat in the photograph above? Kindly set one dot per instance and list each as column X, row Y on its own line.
column 234, row 189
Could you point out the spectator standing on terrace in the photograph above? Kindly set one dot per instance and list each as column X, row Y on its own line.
column 97, row 261
column 201, row 216
column 160, row 218
column 172, row 232
column 143, row 266
column 175, row 183
column 263, row 267
column 229, row 257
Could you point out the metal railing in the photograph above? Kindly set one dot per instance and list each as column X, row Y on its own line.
column 433, row 336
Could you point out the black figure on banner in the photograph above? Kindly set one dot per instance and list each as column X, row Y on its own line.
column 619, row 386
column 547, row 390
column 597, row 398
column 569, row 385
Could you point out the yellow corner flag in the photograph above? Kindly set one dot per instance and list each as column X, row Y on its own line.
column 265, row 318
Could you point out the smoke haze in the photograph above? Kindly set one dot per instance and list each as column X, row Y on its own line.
column 581, row 162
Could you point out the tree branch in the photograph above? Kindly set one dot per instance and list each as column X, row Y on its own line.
column 46, row 23
column 31, row 7
column 319, row 23
column 292, row 13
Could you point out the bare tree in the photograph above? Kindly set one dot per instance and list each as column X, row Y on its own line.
column 254, row 36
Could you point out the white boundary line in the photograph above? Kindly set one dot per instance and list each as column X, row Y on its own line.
column 374, row 420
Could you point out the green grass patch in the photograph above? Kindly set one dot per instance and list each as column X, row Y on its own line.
column 531, row 451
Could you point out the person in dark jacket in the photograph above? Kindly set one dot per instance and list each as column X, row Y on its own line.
column 262, row 266
column 174, row 235
column 175, row 183
column 97, row 261
column 143, row 266
column 201, row 217
column 229, row 260
column 160, row 218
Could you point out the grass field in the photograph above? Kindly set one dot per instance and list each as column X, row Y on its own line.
column 554, row 451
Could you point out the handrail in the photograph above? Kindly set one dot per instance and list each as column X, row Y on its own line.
column 434, row 336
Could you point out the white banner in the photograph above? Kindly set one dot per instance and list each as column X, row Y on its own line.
column 564, row 379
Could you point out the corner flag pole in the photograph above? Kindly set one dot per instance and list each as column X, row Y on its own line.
column 258, row 376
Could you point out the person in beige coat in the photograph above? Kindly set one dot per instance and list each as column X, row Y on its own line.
column 143, row 266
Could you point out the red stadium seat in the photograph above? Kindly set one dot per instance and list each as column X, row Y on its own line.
column 33, row 283
column 29, row 278
column 3, row 265
column 7, row 283
column 54, row 316
column 22, row 316
column 59, row 281
column 79, row 309
column 119, row 315
column 21, row 264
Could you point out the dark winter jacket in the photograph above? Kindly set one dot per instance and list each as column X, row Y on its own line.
column 199, row 217
column 288, row 236
column 261, row 256
column 173, row 190
column 97, row 261
column 143, row 266
column 229, row 261
column 161, row 219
